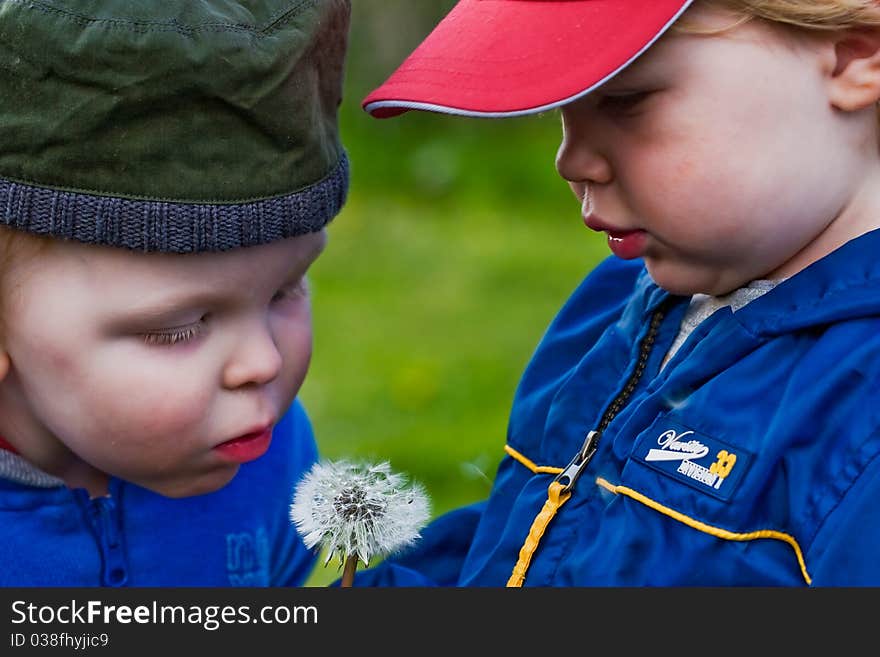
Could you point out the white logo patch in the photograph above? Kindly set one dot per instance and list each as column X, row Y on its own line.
column 692, row 457
column 672, row 448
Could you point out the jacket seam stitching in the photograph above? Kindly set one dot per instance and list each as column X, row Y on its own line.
column 712, row 530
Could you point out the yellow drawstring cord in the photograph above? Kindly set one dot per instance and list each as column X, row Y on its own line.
column 709, row 529
column 556, row 498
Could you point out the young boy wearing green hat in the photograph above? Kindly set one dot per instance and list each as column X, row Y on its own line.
column 166, row 175
column 703, row 410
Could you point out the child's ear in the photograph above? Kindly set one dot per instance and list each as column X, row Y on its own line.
column 855, row 78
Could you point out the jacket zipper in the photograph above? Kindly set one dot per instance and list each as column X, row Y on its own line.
column 102, row 512
column 578, row 464
column 562, row 485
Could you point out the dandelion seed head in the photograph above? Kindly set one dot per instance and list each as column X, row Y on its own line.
column 361, row 509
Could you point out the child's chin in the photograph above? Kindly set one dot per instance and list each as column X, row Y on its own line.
column 681, row 280
column 677, row 285
column 202, row 486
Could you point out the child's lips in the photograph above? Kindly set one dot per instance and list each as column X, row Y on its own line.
column 597, row 223
column 626, row 244
column 247, row 447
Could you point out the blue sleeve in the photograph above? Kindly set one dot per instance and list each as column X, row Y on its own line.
column 845, row 550
column 435, row 560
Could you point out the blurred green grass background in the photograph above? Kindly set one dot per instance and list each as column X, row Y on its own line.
column 457, row 246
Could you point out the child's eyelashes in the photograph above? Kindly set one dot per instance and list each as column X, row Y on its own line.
column 166, row 337
column 172, row 336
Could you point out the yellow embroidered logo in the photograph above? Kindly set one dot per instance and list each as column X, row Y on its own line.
column 693, row 457
column 673, row 448
column 723, row 465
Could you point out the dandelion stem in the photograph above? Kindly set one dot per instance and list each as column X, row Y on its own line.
column 351, row 564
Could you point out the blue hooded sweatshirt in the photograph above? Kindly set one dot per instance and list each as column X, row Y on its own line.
column 751, row 459
column 240, row 535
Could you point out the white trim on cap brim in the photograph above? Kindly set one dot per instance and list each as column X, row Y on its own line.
column 431, row 107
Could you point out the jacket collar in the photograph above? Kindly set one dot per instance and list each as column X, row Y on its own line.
column 845, row 284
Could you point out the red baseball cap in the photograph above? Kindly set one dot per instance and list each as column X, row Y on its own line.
column 497, row 58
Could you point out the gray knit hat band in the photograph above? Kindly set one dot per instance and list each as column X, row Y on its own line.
column 172, row 227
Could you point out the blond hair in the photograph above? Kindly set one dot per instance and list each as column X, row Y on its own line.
column 16, row 246
column 815, row 15
column 799, row 16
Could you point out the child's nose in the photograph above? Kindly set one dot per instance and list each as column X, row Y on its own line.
column 255, row 360
column 579, row 158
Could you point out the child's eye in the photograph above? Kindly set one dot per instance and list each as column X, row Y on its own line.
column 623, row 102
column 172, row 336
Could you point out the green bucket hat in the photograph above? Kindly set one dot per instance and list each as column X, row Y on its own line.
column 171, row 127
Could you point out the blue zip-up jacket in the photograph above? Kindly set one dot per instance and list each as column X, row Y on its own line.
column 240, row 535
column 751, row 459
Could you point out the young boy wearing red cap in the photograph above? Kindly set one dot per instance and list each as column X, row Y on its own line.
column 167, row 171
column 702, row 411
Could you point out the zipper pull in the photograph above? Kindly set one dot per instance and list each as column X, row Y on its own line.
column 557, row 495
column 580, row 461
column 115, row 564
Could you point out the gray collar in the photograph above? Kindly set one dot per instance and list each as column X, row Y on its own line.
column 22, row 471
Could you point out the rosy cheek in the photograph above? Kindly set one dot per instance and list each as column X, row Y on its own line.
column 157, row 402
column 58, row 360
column 32, row 350
column 298, row 345
column 176, row 410
column 684, row 168
column 297, row 354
